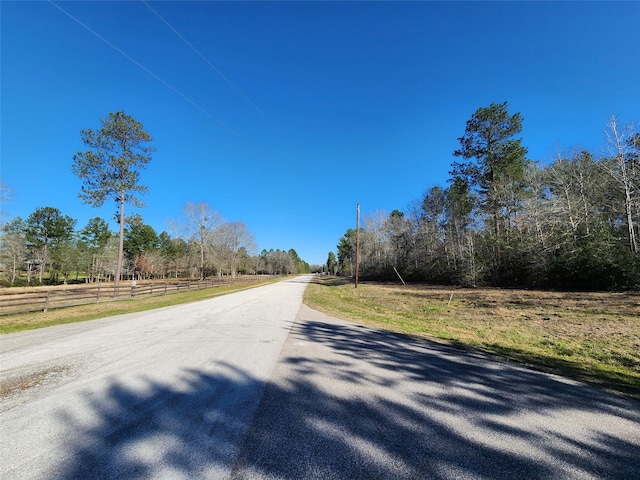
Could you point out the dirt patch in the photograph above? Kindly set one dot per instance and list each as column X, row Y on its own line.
column 24, row 381
column 19, row 385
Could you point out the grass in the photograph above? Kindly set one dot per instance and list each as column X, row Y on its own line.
column 591, row 337
column 33, row 320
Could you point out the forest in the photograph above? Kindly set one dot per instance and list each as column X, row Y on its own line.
column 47, row 248
column 506, row 221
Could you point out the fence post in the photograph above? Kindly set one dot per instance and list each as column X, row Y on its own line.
column 165, row 287
column 98, row 294
column 46, row 301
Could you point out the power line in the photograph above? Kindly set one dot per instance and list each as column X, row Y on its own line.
column 213, row 67
column 166, row 84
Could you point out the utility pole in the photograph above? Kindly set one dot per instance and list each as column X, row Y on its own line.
column 357, row 241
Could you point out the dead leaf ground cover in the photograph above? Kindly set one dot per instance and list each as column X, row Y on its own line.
column 593, row 337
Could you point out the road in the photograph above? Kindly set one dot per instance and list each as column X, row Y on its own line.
column 255, row 385
column 167, row 393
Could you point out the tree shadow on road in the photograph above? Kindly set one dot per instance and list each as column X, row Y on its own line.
column 421, row 411
column 442, row 413
column 192, row 430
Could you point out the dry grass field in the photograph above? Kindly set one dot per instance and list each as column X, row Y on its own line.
column 592, row 337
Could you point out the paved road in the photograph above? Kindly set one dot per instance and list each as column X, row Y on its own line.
column 347, row 401
column 160, row 394
column 255, row 386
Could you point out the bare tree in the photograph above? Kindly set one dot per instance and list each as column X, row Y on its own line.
column 6, row 192
column 13, row 250
column 375, row 241
column 200, row 224
column 574, row 183
column 107, row 258
column 624, row 173
column 235, row 237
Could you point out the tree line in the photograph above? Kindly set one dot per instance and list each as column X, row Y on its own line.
column 504, row 220
column 47, row 246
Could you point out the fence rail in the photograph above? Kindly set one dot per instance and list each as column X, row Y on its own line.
column 42, row 299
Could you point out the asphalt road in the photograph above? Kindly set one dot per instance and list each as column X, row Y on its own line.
column 167, row 393
column 255, row 385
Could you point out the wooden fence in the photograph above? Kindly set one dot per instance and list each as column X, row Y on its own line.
column 43, row 299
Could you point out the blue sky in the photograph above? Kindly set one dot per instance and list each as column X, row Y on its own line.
column 285, row 115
